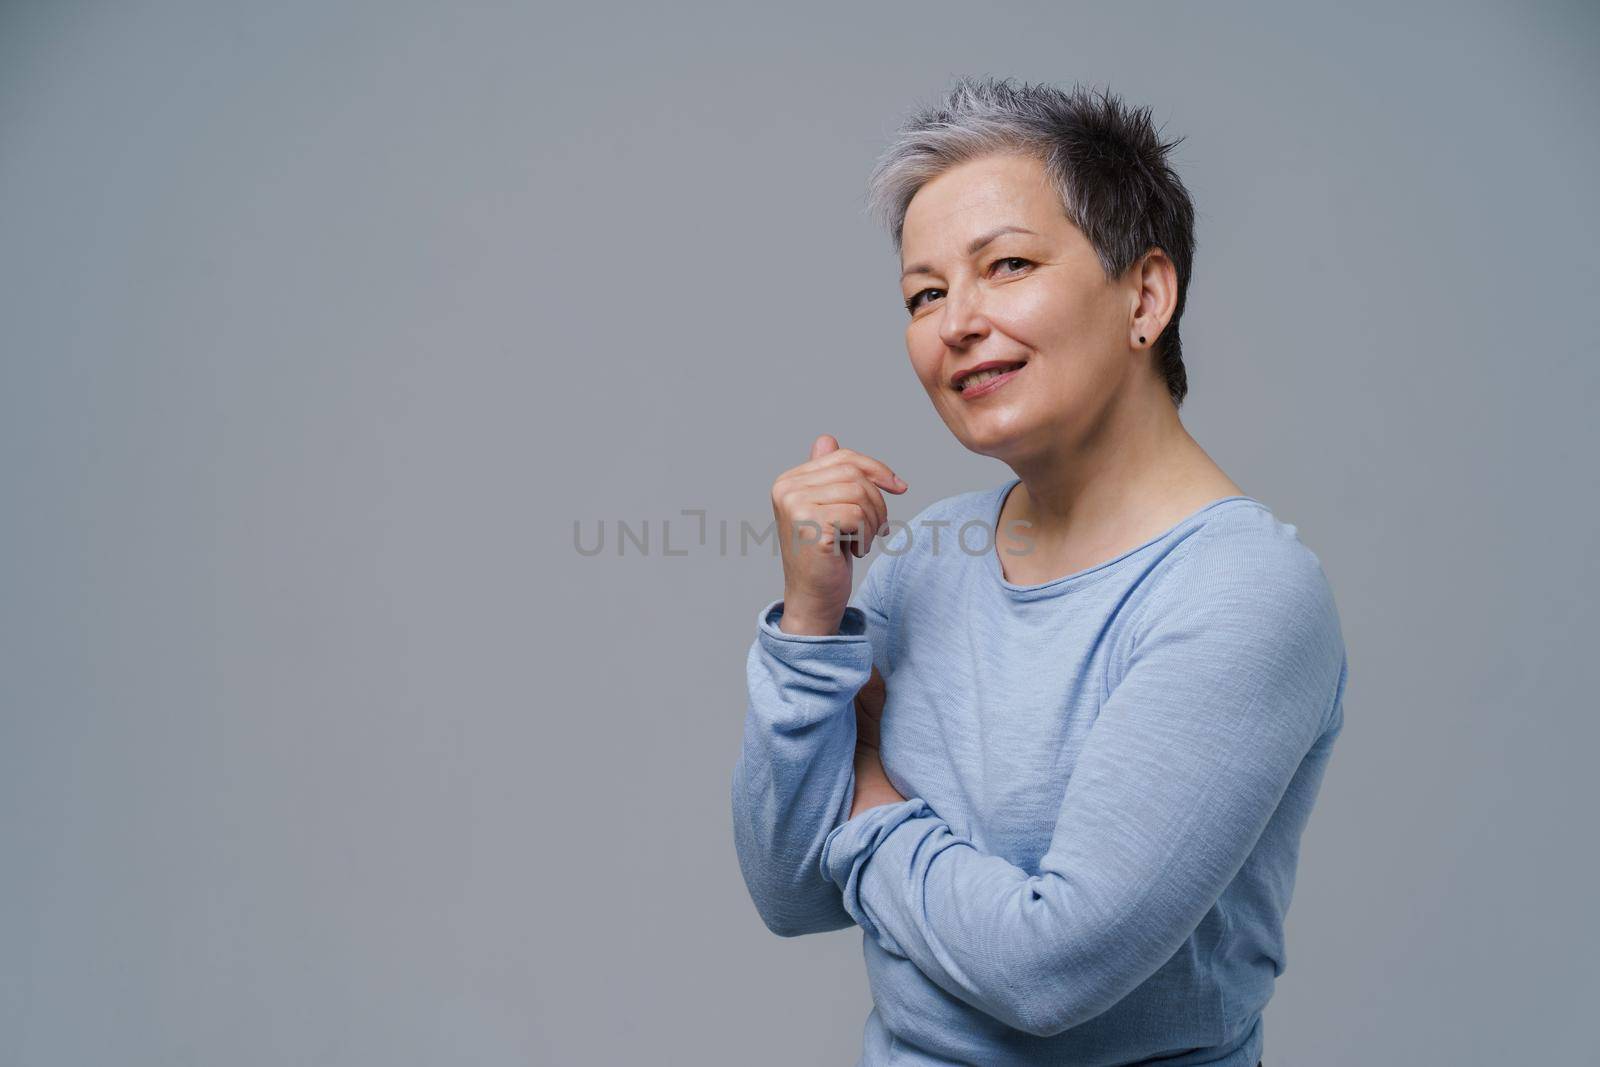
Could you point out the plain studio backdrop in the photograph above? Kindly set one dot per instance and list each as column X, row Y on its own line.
column 323, row 325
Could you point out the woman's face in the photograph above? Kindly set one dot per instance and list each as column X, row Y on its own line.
column 1036, row 298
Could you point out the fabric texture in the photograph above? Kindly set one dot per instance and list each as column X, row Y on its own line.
column 1107, row 779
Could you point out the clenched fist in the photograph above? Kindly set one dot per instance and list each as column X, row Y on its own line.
column 833, row 500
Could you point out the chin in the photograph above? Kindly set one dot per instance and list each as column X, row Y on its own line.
column 995, row 444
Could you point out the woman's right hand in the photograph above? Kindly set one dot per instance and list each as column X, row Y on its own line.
column 834, row 497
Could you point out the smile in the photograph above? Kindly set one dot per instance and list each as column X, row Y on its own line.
column 985, row 382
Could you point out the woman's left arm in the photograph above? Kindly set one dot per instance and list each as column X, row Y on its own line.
column 1233, row 675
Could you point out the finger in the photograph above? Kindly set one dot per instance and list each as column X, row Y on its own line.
column 825, row 444
column 866, row 736
column 867, row 731
column 803, row 501
column 875, row 470
column 863, row 493
column 875, row 689
column 871, row 523
column 843, row 523
column 869, row 707
column 830, row 479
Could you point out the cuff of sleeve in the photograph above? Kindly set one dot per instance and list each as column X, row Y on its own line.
column 852, row 627
column 848, row 847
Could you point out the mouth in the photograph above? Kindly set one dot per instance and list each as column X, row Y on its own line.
column 987, row 379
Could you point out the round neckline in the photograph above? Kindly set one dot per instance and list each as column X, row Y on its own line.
column 1087, row 573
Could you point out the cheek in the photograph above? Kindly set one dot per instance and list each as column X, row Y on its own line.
column 1044, row 318
column 925, row 353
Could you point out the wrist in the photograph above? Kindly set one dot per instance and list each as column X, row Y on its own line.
column 800, row 622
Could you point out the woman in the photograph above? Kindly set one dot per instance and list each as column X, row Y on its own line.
column 1060, row 782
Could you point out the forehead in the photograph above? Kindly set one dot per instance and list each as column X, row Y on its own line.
column 978, row 195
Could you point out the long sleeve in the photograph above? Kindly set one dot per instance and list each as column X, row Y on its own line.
column 1231, row 675
column 794, row 780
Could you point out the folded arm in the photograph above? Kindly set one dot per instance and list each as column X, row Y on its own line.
column 1228, row 685
column 795, row 776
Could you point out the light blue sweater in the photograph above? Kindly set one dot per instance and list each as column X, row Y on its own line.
column 1107, row 779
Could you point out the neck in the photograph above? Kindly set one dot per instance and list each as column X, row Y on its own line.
column 1137, row 466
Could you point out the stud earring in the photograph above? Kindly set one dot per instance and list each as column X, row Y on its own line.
column 1141, row 340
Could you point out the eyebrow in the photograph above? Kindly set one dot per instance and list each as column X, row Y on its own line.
column 972, row 249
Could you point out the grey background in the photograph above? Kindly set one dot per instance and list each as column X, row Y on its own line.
column 322, row 324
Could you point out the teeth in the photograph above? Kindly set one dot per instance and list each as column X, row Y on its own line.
column 985, row 375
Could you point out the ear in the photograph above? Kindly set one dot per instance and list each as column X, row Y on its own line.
column 1154, row 297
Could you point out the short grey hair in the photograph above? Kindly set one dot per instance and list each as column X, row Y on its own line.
column 1105, row 159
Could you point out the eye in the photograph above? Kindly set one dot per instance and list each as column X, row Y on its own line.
column 912, row 304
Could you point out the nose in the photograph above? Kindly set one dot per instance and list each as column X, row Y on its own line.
column 961, row 321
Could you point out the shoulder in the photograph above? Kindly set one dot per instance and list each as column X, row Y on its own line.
column 1246, row 574
column 1245, row 546
column 1244, row 602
